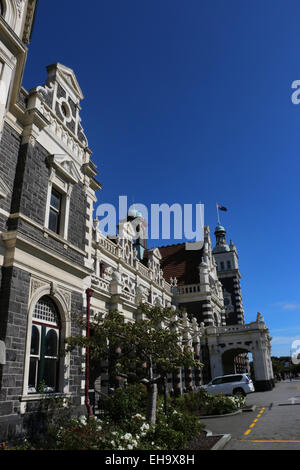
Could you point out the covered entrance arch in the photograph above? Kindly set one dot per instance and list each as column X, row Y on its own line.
column 227, row 343
column 235, row 361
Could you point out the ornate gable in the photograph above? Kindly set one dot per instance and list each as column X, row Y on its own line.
column 67, row 79
column 62, row 94
column 66, row 167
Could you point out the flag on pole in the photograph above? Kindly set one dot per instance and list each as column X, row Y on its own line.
column 221, row 208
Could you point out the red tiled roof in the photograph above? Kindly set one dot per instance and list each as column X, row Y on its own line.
column 181, row 263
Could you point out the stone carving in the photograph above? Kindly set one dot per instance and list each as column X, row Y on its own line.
column 108, row 273
column 259, row 317
column 141, row 294
column 116, row 277
column 67, row 296
column 20, row 7
column 35, row 285
column 53, row 289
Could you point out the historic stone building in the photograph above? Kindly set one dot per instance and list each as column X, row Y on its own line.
column 53, row 256
column 206, row 285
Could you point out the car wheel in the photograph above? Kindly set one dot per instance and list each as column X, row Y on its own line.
column 239, row 392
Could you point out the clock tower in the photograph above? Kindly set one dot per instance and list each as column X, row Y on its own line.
column 226, row 257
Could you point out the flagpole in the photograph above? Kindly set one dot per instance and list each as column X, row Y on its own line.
column 218, row 214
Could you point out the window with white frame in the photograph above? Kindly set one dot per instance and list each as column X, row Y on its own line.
column 44, row 348
column 63, row 176
column 55, row 211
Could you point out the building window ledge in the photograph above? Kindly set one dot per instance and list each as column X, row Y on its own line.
column 35, row 397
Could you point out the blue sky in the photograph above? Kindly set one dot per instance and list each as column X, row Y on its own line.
column 189, row 101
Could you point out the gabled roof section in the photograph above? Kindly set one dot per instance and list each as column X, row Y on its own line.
column 181, row 263
column 64, row 165
column 66, row 77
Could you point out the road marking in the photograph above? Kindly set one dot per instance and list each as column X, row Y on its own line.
column 246, row 433
column 256, row 440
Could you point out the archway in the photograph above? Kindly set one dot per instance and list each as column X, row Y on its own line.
column 235, row 361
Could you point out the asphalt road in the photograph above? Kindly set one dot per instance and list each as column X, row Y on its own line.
column 273, row 425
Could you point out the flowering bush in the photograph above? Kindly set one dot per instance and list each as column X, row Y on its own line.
column 203, row 403
column 221, row 404
column 120, row 428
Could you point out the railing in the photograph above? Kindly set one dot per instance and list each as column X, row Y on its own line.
column 168, row 287
column 108, row 245
column 188, row 289
column 100, row 283
column 237, row 328
column 129, row 297
column 143, row 270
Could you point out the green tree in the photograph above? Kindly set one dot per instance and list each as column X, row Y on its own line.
column 136, row 349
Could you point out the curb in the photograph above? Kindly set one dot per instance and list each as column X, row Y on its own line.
column 224, row 438
column 249, row 408
column 220, row 416
column 222, row 442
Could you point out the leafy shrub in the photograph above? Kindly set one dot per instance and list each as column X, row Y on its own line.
column 203, row 403
column 124, row 403
column 174, row 429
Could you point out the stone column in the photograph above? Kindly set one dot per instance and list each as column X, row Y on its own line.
column 263, row 370
column 215, row 356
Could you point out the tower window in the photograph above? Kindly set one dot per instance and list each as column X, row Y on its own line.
column 222, row 265
column 228, row 265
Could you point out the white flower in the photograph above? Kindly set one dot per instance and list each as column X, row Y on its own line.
column 145, row 426
column 113, row 443
column 83, row 419
column 130, row 447
column 127, row 436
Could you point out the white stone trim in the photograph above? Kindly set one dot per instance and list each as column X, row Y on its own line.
column 64, row 311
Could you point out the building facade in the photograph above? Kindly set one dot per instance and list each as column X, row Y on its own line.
column 52, row 253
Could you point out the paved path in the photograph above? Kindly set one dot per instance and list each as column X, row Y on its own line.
column 274, row 425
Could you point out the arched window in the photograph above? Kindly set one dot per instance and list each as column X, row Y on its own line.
column 44, row 349
column 1, row 8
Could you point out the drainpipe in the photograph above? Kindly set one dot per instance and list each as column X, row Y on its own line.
column 89, row 294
